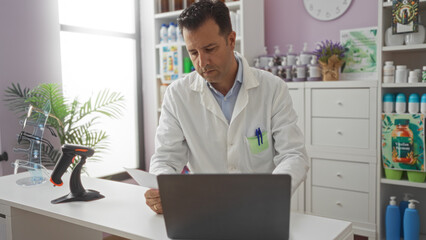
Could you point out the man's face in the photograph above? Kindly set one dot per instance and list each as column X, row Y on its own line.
column 209, row 51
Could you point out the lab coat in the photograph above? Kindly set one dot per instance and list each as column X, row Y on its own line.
column 193, row 130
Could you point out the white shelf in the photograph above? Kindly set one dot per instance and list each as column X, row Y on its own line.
column 182, row 44
column 403, row 183
column 389, row 3
column 405, row 48
column 403, row 85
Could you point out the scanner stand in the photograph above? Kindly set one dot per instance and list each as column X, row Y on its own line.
column 78, row 193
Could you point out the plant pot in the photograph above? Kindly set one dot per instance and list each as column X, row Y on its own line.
column 393, row 174
column 330, row 70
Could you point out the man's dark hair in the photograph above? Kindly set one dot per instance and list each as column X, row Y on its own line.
column 198, row 13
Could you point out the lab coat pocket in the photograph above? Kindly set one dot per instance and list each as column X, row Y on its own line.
column 258, row 145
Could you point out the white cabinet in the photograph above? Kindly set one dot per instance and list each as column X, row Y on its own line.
column 340, row 137
column 5, row 223
column 414, row 56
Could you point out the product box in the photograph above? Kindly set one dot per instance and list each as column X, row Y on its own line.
column 403, row 142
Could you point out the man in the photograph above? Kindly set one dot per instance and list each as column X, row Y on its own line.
column 226, row 117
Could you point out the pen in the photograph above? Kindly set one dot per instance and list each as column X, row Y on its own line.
column 261, row 136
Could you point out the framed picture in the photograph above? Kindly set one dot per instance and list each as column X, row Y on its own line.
column 360, row 53
column 405, row 16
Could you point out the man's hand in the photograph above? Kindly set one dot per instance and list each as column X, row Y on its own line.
column 153, row 200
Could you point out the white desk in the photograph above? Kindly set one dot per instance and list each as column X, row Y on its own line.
column 30, row 215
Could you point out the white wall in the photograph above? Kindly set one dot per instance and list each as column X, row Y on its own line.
column 29, row 55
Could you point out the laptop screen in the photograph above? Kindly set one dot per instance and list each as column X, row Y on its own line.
column 226, row 206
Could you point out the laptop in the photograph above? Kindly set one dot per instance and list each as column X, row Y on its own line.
column 226, row 206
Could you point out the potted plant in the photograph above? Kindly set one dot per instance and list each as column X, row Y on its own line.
column 74, row 122
column 330, row 57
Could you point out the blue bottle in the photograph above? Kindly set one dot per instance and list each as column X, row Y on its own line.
column 402, row 206
column 411, row 222
column 393, row 220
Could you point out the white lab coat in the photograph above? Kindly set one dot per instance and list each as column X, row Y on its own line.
column 193, row 130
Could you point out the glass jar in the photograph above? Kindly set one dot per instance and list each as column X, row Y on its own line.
column 402, row 142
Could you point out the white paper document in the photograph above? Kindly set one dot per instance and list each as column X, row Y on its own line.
column 145, row 179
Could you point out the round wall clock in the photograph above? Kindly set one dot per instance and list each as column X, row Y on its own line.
column 326, row 10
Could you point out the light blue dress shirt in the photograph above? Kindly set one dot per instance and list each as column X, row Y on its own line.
column 227, row 102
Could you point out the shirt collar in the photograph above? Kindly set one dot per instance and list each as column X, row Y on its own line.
column 238, row 77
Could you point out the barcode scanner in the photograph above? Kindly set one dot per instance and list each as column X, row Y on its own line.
column 78, row 193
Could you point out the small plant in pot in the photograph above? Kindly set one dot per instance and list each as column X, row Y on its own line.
column 330, row 57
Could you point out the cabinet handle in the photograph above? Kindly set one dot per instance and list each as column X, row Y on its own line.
column 340, row 103
column 338, row 203
column 339, row 175
column 339, row 132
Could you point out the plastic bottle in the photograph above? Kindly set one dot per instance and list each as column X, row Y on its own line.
column 393, row 39
column 389, row 72
column 163, row 34
column 413, row 103
column 314, row 70
column 287, row 73
column 277, row 56
column 424, row 74
column 402, row 206
column 300, row 75
column 388, row 103
column 401, row 74
column 172, row 36
column 305, row 56
column 411, row 222
column 423, row 104
column 413, row 77
column 393, row 220
column 400, row 103
column 291, row 57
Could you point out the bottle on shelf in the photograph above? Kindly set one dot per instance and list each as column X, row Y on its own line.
column 416, row 37
column 424, row 74
column 388, row 103
column 164, row 37
column 413, row 103
column 305, row 56
column 389, row 72
column 300, row 71
column 277, row 56
column 314, row 70
column 291, row 57
column 171, row 33
column 411, row 221
column 423, row 104
column 164, row 6
column 413, row 77
column 392, row 220
column 400, row 103
column 402, row 206
column 401, row 74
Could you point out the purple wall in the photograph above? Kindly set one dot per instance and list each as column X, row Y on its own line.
column 287, row 22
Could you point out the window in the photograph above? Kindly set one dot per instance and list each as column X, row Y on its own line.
column 100, row 49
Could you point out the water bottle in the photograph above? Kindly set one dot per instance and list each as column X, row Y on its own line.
column 163, row 33
column 172, row 36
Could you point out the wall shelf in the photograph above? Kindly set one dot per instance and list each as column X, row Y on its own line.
column 405, row 48
column 403, row 183
column 404, row 85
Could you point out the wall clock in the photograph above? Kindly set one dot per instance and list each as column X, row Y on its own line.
column 326, row 10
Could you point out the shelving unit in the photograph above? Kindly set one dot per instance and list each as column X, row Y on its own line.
column 414, row 56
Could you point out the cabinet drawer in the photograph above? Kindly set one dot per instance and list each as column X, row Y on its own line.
column 347, row 205
column 338, row 174
column 352, row 133
column 341, row 103
column 4, row 210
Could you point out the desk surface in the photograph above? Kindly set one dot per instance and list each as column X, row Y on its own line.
column 123, row 211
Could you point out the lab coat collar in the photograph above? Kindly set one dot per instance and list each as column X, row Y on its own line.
column 197, row 83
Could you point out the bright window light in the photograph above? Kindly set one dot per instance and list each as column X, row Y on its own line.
column 109, row 15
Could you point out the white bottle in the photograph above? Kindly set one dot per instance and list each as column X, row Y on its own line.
column 172, row 36
column 413, row 103
column 413, row 77
column 305, row 56
column 401, row 74
column 291, row 57
column 163, row 34
column 314, row 70
column 389, row 72
column 393, row 39
column 416, row 37
column 400, row 103
column 300, row 73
